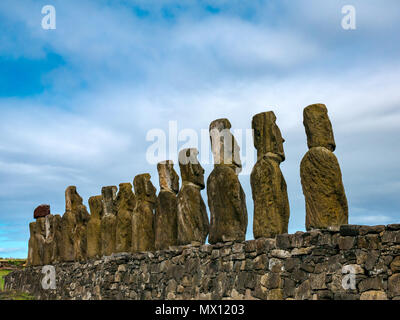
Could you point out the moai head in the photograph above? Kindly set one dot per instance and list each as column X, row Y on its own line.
column 168, row 178
column 74, row 204
column 125, row 196
column 144, row 189
column 191, row 170
column 224, row 147
column 109, row 195
column 267, row 136
column 96, row 207
column 318, row 127
column 40, row 227
column 72, row 199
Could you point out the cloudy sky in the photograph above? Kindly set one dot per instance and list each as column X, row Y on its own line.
column 77, row 102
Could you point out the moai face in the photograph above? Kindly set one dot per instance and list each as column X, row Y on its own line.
column 168, row 178
column 318, row 127
column 144, row 189
column 191, row 170
column 109, row 194
column 267, row 136
column 96, row 206
column 224, row 146
column 72, row 199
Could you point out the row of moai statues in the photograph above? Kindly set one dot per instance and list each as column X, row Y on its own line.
column 126, row 221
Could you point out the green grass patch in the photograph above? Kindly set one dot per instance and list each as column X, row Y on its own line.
column 2, row 274
column 12, row 295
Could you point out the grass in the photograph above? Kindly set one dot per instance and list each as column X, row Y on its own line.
column 13, row 264
column 2, row 274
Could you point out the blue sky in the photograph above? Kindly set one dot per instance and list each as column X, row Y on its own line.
column 76, row 102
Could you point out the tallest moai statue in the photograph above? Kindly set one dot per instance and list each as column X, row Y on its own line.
column 321, row 178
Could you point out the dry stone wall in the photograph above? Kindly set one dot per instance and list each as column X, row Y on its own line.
column 305, row 265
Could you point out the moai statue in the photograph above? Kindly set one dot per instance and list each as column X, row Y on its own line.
column 44, row 237
column 271, row 203
column 73, row 227
column 125, row 204
column 39, row 238
column 166, row 224
column 143, row 214
column 94, row 227
column 226, row 198
column 108, row 224
column 193, row 223
column 53, row 236
column 31, row 244
column 36, row 243
column 321, row 178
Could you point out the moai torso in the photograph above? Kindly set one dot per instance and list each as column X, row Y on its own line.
column 321, row 178
column 192, row 219
column 269, row 191
column 73, row 227
column 143, row 214
column 125, row 204
column 94, row 227
column 109, row 220
column 166, row 225
column 226, row 198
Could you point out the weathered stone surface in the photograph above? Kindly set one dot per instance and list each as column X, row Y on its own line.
column 394, row 285
column 193, row 223
column 373, row 295
column 321, row 178
column 44, row 242
column 269, row 191
column 32, row 248
column 94, row 227
column 241, row 270
column 52, row 239
column 224, row 146
column 271, row 203
column 125, row 204
column 226, row 198
column 108, row 226
column 143, row 214
column 395, row 265
column 318, row 127
column 73, row 246
column 267, row 135
column 41, row 211
column 227, row 203
column 166, row 217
